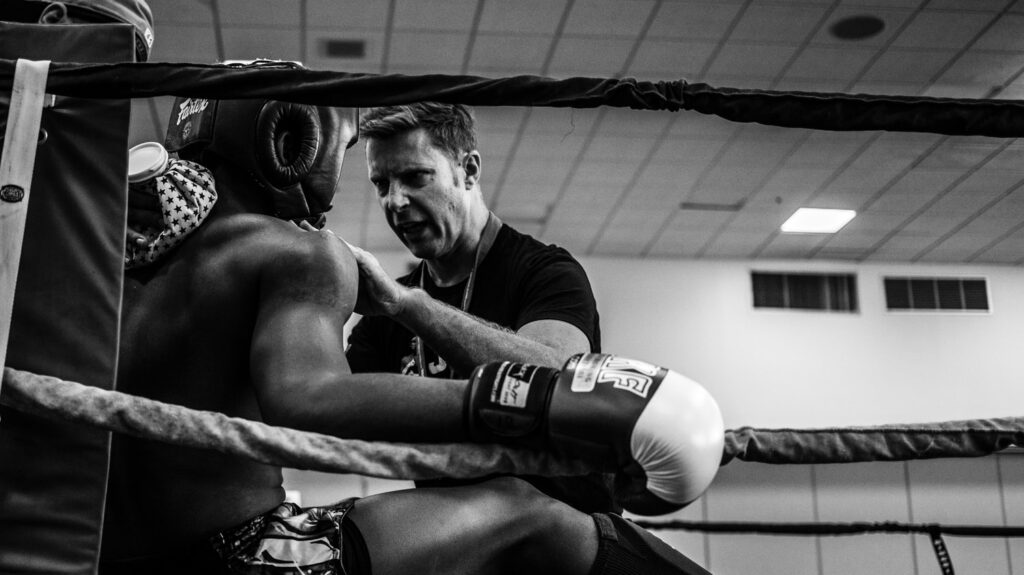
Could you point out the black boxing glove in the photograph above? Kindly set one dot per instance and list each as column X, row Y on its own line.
column 663, row 431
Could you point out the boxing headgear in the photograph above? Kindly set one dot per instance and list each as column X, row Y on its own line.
column 292, row 152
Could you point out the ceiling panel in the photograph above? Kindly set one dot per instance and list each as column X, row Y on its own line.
column 952, row 29
column 440, row 52
column 590, row 56
column 779, row 23
column 756, row 61
column 608, row 18
column 610, row 181
column 522, row 17
column 446, row 15
column 340, row 16
column 694, row 20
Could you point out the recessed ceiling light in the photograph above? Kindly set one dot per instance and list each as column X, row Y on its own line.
column 857, row 27
column 817, row 221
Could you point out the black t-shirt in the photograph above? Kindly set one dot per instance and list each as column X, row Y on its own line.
column 521, row 280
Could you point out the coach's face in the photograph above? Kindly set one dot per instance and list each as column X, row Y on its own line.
column 424, row 192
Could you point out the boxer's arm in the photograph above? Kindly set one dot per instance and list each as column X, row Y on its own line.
column 297, row 363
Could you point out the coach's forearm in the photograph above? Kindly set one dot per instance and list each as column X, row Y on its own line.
column 467, row 341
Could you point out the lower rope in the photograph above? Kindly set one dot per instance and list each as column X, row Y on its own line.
column 934, row 531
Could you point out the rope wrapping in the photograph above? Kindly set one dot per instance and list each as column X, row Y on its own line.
column 54, row 398
column 115, row 411
column 819, row 111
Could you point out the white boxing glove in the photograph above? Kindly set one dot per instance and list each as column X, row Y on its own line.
column 663, row 431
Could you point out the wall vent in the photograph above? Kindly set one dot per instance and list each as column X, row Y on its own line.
column 807, row 291
column 347, row 49
column 936, row 294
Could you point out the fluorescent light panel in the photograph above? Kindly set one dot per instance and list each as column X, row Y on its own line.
column 817, row 221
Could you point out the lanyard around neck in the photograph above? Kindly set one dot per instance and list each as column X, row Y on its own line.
column 486, row 241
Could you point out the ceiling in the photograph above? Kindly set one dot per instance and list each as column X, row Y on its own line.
column 611, row 182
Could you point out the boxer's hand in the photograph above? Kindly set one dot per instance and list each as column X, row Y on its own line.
column 662, row 431
column 144, row 211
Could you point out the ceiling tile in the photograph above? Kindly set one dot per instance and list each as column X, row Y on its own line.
column 447, row 15
column 542, row 175
column 751, row 60
column 589, row 57
column 522, row 16
column 827, row 149
column 942, row 29
column 254, row 43
column 270, row 13
column 968, row 91
column 618, row 148
column 1004, row 36
column 429, row 50
column 167, row 12
column 670, row 59
column 778, row 23
column 1007, row 251
column 640, row 123
column 549, row 147
column 908, row 66
column 789, row 187
column 340, row 16
column 608, row 18
column 1011, row 159
column 890, row 88
column 181, row 43
column 829, row 63
column 509, row 52
column 961, row 153
column 687, row 154
column 566, row 124
column 693, row 20
column 498, row 118
column 984, row 67
column 969, row 5
column 791, row 246
column 702, row 126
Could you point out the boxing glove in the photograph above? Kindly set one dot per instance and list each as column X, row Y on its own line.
column 663, row 431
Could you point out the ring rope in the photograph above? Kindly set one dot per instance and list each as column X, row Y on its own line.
column 54, row 398
column 819, row 111
column 934, row 531
column 123, row 413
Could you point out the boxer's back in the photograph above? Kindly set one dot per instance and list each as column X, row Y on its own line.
column 187, row 324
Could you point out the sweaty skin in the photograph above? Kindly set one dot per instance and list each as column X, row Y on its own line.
column 246, row 318
column 223, row 326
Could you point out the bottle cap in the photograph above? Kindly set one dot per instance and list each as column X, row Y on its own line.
column 146, row 161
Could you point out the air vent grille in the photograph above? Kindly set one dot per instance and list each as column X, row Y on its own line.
column 823, row 292
column 936, row 294
column 347, row 49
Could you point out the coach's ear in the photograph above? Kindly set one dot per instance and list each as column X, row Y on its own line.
column 54, row 13
column 471, row 163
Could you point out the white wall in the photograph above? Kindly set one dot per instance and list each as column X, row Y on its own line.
column 774, row 368
column 809, row 369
